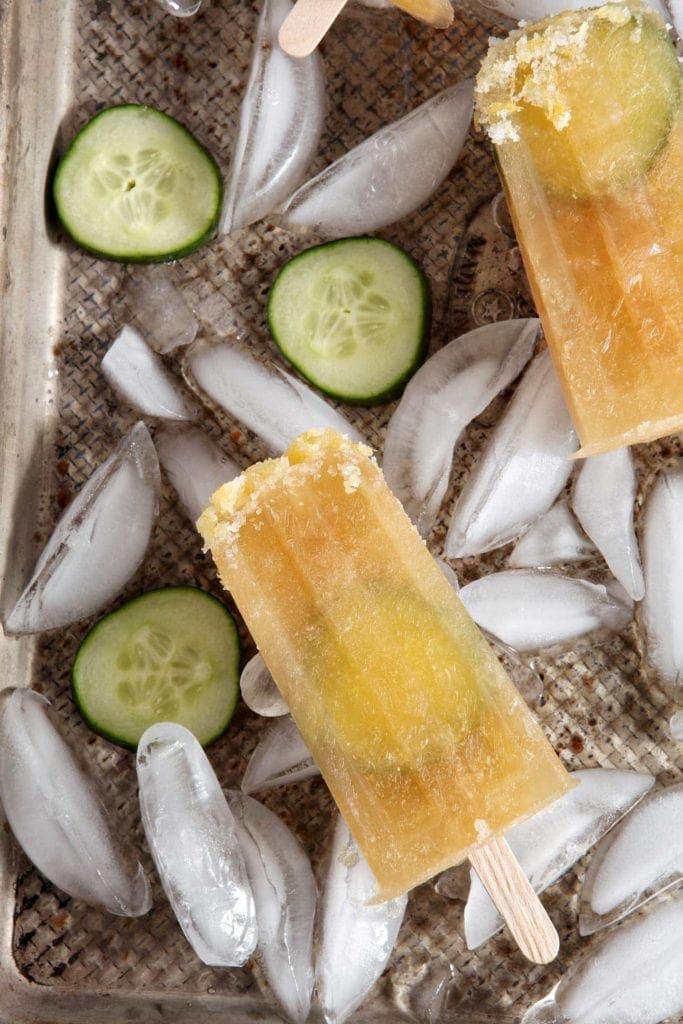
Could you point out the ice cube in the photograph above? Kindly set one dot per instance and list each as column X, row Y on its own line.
column 281, row 119
column 280, row 757
column 357, row 937
column 425, row 985
column 521, row 672
column 531, row 609
column 662, row 608
column 388, row 175
column 285, row 897
column 259, row 691
column 555, row 537
column 523, row 469
column 194, row 464
column 635, row 976
column 446, row 393
column 158, row 306
column 57, row 814
column 603, row 498
column 265, row 398
column 193, row 839
column 97, row 544
column 636, row 861
column 142, row 380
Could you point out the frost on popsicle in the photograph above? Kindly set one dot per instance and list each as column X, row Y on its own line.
column 523, row 469
column 159, row 309
column 280, row 757
column 446, row 393
column 285, row 894
column 635, row 976
column 662, row 607
column 194, row 464
column 57, row 816
column 97, row 544
column 530, row 609
column 554, row 538
column 281, row 120
column 635, row 862
column 259, row 691
column 356, row 937
column 388, row 175
column 603, row 499
column 142, row 380
column 193, row 839
column 266, row 399
column 550, row 842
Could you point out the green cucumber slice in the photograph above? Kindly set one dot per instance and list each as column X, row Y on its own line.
column 353, row 317
column 136, row 186
column 170, row 655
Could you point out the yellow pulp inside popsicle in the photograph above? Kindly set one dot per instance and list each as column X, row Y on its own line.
column 427, row 747
column 585, row 112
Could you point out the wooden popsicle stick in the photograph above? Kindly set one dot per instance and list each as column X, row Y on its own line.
column 516, row 901
column 306, row 24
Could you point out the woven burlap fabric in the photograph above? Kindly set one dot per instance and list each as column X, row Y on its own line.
column 599, row 708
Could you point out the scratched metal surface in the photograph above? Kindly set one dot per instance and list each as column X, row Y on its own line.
column 61, row 960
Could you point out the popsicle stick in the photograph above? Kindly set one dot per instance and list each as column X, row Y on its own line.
column 306, row 24
column 516, row 901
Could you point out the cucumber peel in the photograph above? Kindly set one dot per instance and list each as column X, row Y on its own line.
column 353, row 317
column 171, row 654
column 136, row 186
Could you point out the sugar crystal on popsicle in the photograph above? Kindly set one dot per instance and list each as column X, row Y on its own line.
column 426, row 746
column 584, row 110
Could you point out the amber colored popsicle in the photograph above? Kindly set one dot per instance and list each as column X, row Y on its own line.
column 585, row 112
column 424, row 742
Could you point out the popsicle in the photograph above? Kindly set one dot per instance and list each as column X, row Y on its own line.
column 584, row 110
column 425, row 744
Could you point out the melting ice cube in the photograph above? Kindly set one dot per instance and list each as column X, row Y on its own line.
column 193, row 839
column 57, row 815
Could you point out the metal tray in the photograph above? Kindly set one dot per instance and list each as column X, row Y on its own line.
column 61, row 61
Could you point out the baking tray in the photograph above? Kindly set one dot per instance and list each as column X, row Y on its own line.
column 62, row 61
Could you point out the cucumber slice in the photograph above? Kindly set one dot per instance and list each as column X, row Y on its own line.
column 170, row 655
column 620, row 91
column 353, row 317
column 136, row 186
